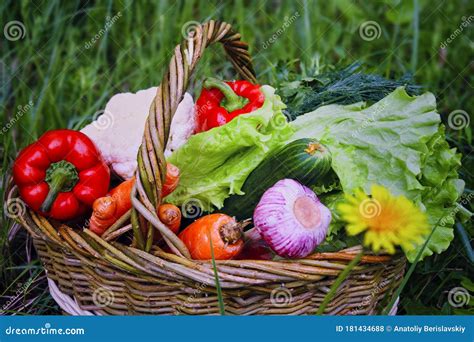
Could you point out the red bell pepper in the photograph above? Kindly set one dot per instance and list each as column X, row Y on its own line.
column 61, row 174
column 220, row 102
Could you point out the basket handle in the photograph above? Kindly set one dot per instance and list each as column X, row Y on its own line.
column 151, row 171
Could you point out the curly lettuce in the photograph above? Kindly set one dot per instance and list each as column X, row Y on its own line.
column 215, row 164
column 397, row 142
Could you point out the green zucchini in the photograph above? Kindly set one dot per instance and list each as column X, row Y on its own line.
column 304, row 160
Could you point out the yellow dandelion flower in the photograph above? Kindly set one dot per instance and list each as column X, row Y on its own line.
column 387, row 220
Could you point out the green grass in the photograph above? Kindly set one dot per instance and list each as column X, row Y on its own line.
column 67, row 83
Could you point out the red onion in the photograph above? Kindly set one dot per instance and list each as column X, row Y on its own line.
column 291, row 219
column 255, row 247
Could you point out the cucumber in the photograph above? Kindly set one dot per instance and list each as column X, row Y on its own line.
column 304, row 160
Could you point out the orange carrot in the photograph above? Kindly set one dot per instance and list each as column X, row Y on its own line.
column 121, row 194
column 108, row 209
column 224, row 231
column 172, row 179
column 170, row 215
column 102, row 215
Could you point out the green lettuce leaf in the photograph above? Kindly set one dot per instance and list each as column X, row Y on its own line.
column 397, row 142
column 215, row 164
column 442, row 189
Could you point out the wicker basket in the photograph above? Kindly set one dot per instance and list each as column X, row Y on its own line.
column 103, row 276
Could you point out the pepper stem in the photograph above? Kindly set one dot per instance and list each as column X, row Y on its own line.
column 231, row 232
column 61, row 177
column 231, row 100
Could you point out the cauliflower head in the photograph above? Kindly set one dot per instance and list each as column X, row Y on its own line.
column 118, row 130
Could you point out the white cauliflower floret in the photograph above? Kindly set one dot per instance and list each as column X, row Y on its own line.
column 118, row 131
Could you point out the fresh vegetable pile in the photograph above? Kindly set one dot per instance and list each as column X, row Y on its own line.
column 216, row 163
column 264, row 184
column 399, row 143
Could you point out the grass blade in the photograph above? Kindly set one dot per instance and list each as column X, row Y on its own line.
column 416, row 34
column 464, row 237
column 218, row 284
column 340, row 278
column 409, row 273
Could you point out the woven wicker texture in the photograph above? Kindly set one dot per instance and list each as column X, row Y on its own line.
column 107, row 277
